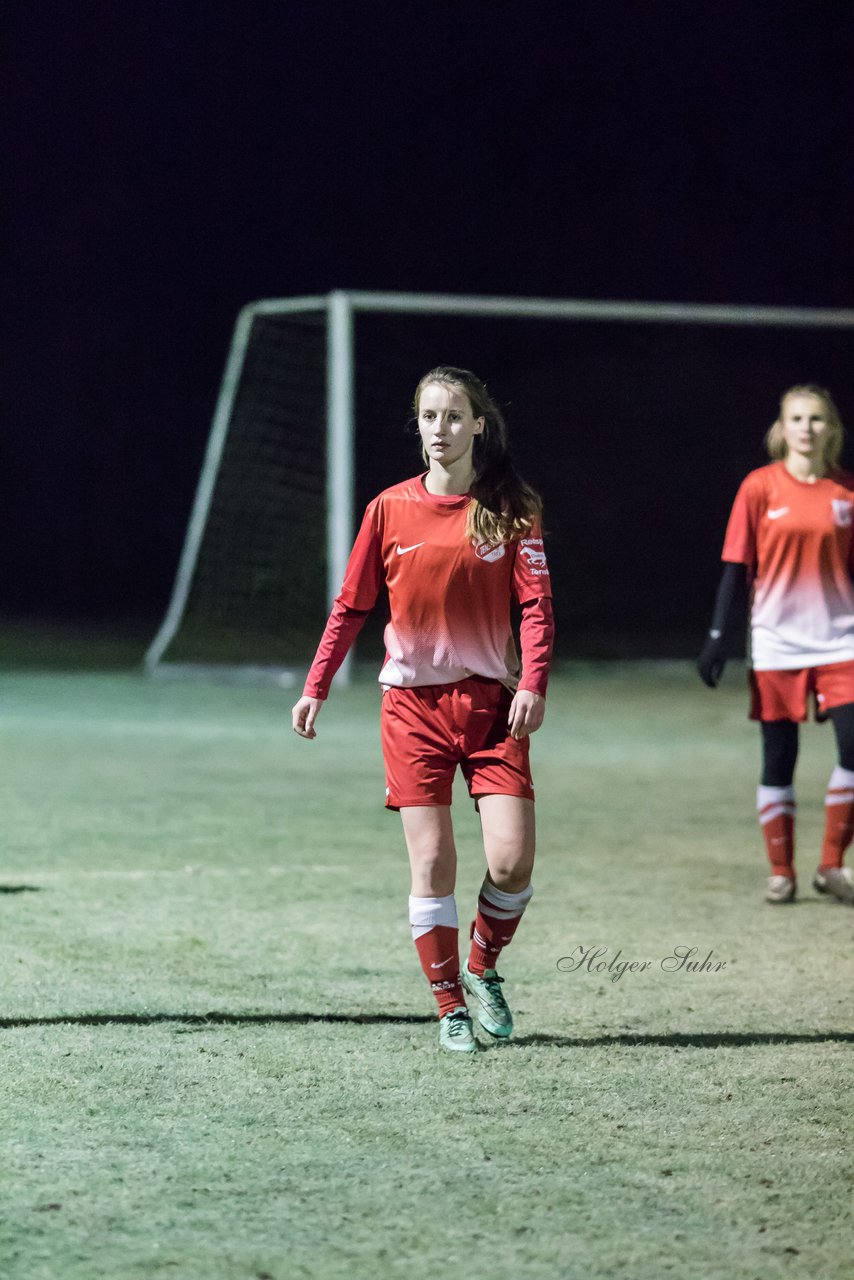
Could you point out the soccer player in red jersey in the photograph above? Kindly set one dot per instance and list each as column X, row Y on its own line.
column 455, row 546
column 789, row 537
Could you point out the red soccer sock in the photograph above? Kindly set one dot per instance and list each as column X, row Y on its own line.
column 438, row 951
column 776, row 807
column 839, row 817
column 498, row 916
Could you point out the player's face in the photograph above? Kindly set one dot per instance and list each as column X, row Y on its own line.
column 804, row 420
column 446, row 423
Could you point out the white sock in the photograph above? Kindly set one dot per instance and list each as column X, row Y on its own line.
column 505, row 906
column 426, row 913
column 771, row 801
column 842, row 784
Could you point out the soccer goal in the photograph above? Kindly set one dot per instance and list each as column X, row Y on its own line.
column 312, row 420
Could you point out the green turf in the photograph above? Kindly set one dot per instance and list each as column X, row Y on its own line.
column 218, row 1054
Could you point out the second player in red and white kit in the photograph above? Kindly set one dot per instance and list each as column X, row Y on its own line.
column 790, row 536
column 455, row 548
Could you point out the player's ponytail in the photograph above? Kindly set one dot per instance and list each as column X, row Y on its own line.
column 504, row 506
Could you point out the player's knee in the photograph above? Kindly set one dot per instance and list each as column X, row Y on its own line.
column 512, row 875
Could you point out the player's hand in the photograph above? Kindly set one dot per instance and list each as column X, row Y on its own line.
column 304, row 716
column 712, row 660
column 526, row 713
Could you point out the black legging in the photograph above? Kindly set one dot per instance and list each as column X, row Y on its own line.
column 780, row 746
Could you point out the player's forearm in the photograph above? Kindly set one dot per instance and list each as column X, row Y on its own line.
column 339, row 635
column 536, row 635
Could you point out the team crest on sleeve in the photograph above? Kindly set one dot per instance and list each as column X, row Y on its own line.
column 489, row 551
column 841, row 512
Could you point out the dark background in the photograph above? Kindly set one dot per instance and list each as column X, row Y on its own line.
column 168, row 161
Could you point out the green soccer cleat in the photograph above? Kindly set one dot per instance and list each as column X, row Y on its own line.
column 493, row 1011
column 455, row 1032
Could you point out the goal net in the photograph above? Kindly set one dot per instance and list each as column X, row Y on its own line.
column 636, row 421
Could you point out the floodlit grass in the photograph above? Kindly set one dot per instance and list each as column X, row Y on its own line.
column 219, row 1056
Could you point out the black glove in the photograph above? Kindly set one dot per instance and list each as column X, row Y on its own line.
column 712, row 660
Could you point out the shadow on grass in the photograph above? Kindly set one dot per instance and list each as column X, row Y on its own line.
column 686, row 1039
column 214, row 1019
column 20, row 888
column 671, row 1040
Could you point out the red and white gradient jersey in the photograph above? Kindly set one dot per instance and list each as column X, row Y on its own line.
column 795, row 536
column 449, row 600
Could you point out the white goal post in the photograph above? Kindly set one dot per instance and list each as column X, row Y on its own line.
column 326, row 323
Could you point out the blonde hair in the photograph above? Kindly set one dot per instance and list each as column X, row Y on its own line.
column 503, row 507
column 775, row 441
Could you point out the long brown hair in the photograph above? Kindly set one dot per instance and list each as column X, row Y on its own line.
column 504, row 507
column 775, row 441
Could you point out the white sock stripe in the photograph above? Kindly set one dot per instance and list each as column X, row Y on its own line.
column 428, row 912
column 515, row 902
column 495, row 913
column 774, row 810
column 841, row 778
column 839, row 797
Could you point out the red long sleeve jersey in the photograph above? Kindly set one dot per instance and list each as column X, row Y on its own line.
column 449, row 600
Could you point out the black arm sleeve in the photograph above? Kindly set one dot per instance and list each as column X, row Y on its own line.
column 732, row 592
column 731, row 597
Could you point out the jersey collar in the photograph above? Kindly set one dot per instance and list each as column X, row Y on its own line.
column 451, row 502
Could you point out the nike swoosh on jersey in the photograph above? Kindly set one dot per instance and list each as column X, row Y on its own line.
column 774, row 513
column 441, row 963
column 401, row 551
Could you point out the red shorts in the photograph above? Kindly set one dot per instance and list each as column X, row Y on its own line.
column 428, row 731
column 784, row 695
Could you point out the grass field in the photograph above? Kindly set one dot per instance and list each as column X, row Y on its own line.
column 219, row 1056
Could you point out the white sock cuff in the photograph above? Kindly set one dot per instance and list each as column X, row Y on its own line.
column 426, row 913
column 774, row 795
column 840, row 788
column 512, row 902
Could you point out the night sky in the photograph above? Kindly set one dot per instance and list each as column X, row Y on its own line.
column 168, row 161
